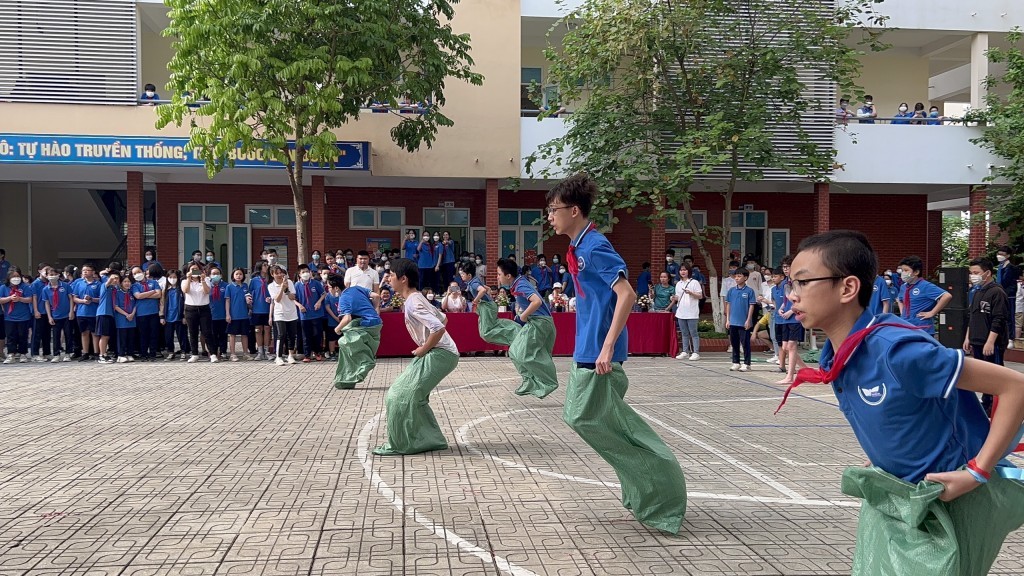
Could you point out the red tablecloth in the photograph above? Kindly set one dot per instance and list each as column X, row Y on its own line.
column 462, row 326
column 652, row 333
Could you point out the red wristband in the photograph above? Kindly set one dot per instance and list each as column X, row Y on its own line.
column 973, row 465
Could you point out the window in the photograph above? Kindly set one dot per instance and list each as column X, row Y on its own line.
column 528, row 77
column 218, row 214
column 520, row 217
column 445, row 217
column 189, row 213
column 375, row 218
column 270, row 216
column 678, row 223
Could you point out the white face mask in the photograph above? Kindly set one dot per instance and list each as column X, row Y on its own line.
column 426, row 238
column 905, row 276
column 15, row 281
column 271, row 259
column 975, row 279
column 305, row 276
column 53, row 279
column 172, row 281
column 1000, row 258
column 543, row 263
column 903, row 108
column 888, row 281
column 149, row 257
column 751, row 266
column 139, row 277
column 436, row 238
column 150, row 93
column 668, row 258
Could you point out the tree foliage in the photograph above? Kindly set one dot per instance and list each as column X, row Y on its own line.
column 253, row 74
column 671, row 89
column 955, row 240
column 1004, row 136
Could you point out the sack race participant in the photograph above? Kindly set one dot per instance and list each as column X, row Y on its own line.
column 653, row 486
column 939, row 497
column 492, row 329
column 359, row 329
column 412, row 427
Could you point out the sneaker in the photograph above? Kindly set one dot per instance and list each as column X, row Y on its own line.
column 1009, row 344
column 257, row 357
column 214, row 359
column 23, row 359
column 38, row 358
column 132, row 358
column 9, row 359
column 744, row 367
column 307, row 360
column 734, row 367
column 193, row 359
column 104, row 360
column 67, row 358
column 292, row 360
column 86, row 358
column 55, row 360
column 279, row 361
column 773, row 360
column 694, row 356
column 122, row 359
column 234, row 358
column 729, row 349
column 682, row 356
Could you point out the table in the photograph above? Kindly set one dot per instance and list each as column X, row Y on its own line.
column 650, row 333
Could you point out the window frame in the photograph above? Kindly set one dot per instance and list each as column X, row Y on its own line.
column 446, row 224
column 273, row 208
column 376, row 217
column 681, row 217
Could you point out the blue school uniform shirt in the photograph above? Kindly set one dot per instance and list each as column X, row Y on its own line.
column 599, row 268
column 174, row 300
column 740, row 300
column 923, row 297
column 356, row 301
column 16, row 311
column 474, row 285
column 105, row 307
column 145, row 265
column 307, row 293
column 544, row 276
column 568, row 288
column 410, row 249
column 673, row 270
column 643, row 283
column 81, row 289
column 898, row 391
column 522, row 290
column 218, row 300
column 782, row 304
column 37, row 289
column 59, row 297
column 447, row 252
column 331, row 303
column 237, row 305
column 126, row 302
column 146, row 306
column 427, row 256
column 879, row 295
column 258, row 289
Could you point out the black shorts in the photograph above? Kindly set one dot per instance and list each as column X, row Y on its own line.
column 105, row 326
column 86, row 323
column 789, row 333
column 238, row 327
column 3, row 329
column 260, row 319
column 331, row 335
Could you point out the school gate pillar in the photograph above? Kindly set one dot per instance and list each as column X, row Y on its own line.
column 493, row 234
column 658, row 246
column 821, row 212
column 133, row 201
column 978, row 237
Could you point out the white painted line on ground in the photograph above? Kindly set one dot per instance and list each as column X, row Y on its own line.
column 730, row 400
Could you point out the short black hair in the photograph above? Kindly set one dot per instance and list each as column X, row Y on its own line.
column 301, row 267
column 847, row 253
column 149, row 87
column 1005, row 249
column 645, row 265
column 742, row 272
column 914, row 262
column 787, row 260
column 270, row 251
column 541, row 255
column 577, row 190
column 844, row 100
column 200, row 252
column 150, row 250
column 670, row 252
column 336, row 281
column 508, row 266
column 869, row 97
column 734, row 263
column 363, row 253
column 405, row 268
column 115, row 266
column 469, row 267
column 984, row 263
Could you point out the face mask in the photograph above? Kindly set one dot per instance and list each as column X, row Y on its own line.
column 348, row 257
column 150, row 93
column 905, row 276
column 888, row 281
column 869, row 103
column 732, row 271
column 215, row 278
column 561, row 270
column 668, row 258
column 271, row 259
column 316, row 257
column 430, row 296
column 1001, row 258
column 149, row 257
column 209, row 258
column 555, row 260
column 975, row 279
column 751, row 266
column 139, row 277
column 426, row 238
column 543, row 263
column 339, row 257
column 384, row 258
column 172, row 281
column 305, row 276
column 933, row 114
column 53, row 278
column 15, row 281
column 903, row 108
column 197, row 258
column 436, row 238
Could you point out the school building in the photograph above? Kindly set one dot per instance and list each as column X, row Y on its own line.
column 85, row 175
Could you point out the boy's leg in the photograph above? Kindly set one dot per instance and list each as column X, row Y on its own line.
column 653, row 486
column 530, row 353
column 412, row 427
column 357, row 354
column 746, row 346
column 493, row 329
column 734, row 341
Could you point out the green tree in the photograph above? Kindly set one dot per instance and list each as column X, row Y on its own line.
column 671, row 89
column 254, row 74
column 1004, row 136
column 955, row 236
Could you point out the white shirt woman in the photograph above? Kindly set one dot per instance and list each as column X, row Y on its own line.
column 284, row 308
column 454, row 302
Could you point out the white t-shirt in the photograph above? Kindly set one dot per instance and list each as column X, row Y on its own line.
column 285, row 310
column 368, row 278
column 689, row 307
column 755, row 280
column 727, row 283
column 195, row 296
column 453, row 303
column 423, row 319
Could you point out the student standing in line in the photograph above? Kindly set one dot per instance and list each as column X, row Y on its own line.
column 447, row 270
column 739, row 315
column 788, row 331
column 124, row 318
column 920, row 300
column 86, row 294
column 218, row 315
column 172, row 308
column 653, row 486
column 237, row 303
column 197, row 310
column 311, row 295
column 987, row 319
column 56, row 298
column 285, row 311
column 261, row 310
column 41, row 326
column 426, row 260
column 147, row 294
column 17, row 304
column 106, row 325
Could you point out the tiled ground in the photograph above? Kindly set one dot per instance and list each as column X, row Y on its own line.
column 254, row 469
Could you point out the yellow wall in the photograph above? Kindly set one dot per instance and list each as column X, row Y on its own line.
column 156, row 53
column 893, row 77
column 14, row 223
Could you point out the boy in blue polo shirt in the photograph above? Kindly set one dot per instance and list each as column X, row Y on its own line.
column 652, row 482
column 788, row 331
column 492, row 329
column 238, row 303
column 85, row 294
column 56, row 298
column 920, row 300
column 311, row 294
column 359, row 327
column 739, row 314
column 938, row 496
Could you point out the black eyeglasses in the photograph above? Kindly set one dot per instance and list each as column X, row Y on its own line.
column 552, row 209
column 799, row 285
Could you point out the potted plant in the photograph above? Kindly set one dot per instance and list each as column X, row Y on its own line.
column 397, row 302
column 644, row 303
column 501, row 301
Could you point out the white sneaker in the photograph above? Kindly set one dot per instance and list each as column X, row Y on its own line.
column 292, row 360
column 1009, row 344
column 734, row 367
column 55, row 360
column 9, row 359
column 694, row 356
column 279, row 361
column 122, row 360
column 682, row 356
column 67, row 358
column 744, row 367
column 773, row 360
column 234, row 358
column 729, row 349
column 193, row 359
column 37, row 359
column 214, row 359
column 23, row 359
column 130, row 358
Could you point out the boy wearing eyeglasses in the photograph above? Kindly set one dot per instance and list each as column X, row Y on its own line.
column 652, row 482
column 938, row 495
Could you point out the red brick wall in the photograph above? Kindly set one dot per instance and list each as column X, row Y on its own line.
column 978, row 240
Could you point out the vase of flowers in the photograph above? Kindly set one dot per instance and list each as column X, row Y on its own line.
column 501, row 301
column 560, row 303
column 644, row 303
column 397, row 302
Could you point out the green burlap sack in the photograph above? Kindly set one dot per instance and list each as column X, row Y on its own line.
column 412, row 427
column 529, row 349
column 905, row 530
column 357, row 354
column 653, row 486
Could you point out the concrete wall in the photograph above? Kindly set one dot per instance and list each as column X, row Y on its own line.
column 156, row 52
column 14, row 222
column 892, row 77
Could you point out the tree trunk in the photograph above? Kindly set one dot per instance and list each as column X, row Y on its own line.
column 712, row 270
column 717, row 314
column 298, row 202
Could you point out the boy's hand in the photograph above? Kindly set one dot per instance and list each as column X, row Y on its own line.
column 604, row 362
column 956, row 483
column 420, row 352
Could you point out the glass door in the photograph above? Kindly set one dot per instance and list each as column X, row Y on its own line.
column 778, row 246
column 239, row 248
column 188, row 241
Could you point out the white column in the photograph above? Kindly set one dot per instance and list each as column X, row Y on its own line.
column 979, row 69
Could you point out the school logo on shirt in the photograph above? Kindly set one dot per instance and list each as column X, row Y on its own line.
column 581, row 264
column 873, row 396
column 876, row 288
column 916, row 292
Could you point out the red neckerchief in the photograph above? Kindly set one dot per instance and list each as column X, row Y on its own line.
column 573, row 264
column 906, row 300
column 216, row 291
column 309, row 293
column 839, row 361
column 56, row 297
column 127, row 300
column 16, row 292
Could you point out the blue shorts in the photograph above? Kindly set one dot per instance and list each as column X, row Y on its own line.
column 238, row 328
column 105, row 326
column 260, row 319
column 789, row 333
column 86, row 323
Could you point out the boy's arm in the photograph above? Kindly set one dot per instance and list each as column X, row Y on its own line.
column 535, row 303
column 939, row 305
column 726, row 313
column 430, row 343
column 1008, row 385
column 345, row 321
column 750, row 317
column 625, row 298
column 480, row 291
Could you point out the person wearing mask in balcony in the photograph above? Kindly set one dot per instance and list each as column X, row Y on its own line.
column 919, row 115
column 1007, row 276
column 867, row 113
column 150, row 259
column 903, row 114
column 211, row 260
column 643, row 281
column 149, row 97
column 934, row 118
column 843, row 112
column 427, row 259
column 544, row 276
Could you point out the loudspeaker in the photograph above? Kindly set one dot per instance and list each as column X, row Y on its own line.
column 952, row 327
column 956, row 282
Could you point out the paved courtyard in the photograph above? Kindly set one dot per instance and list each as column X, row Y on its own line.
column 250, row 468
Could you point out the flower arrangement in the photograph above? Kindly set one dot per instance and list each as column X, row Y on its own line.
column 397, row 302
column 644, row 302
column 560, row 303
column 501, row 299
